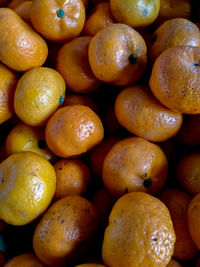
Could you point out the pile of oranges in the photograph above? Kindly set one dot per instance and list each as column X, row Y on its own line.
column 99, row 133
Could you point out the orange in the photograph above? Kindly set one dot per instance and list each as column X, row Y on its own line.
column 63, row 230
column 174, row 263
column 26, row 138
column 193, row 217
column 59, row 20
column 170, row 9
column 39, row 93
column 99, row 18
column 73, row 64
column 188, row 173
column 23, row 10
column 175, row 79
column 85, row 3
column 20, row 54
column 90, row 265
column 27, row 186
column 189, row 133
column 135, row 13
column 140, row 233
column 118, row 55
column 177, row 202
column 134, row 164
column 73, row 130
column 140, row 113
column 8, row 82
column 99, row 153
column 72, row 177
column 24, row 260
column 14, row 3
column 174, row 32
column 77, row 99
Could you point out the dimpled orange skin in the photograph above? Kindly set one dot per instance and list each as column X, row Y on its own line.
column 8, row 82
column 26, row 138
column 23, row 10
column 24, row 260
column 174, row 32
column 72, row 63
column 57, row 27
column 28, row 183
column 188, row 173
column 72, row 177
column 39, row 93
column 131, row 164
column 78, row 99
column 73, row 130
column 177, row 202
column 174, row 263
column 135, row 13
column 140, row 113
column 193, row 217
column 170, row 9
column 139, row 233
column 20, row 54
column 66, row 225
column 109, row 53
column 99, row 18
column 99, row 153
column 178, row 92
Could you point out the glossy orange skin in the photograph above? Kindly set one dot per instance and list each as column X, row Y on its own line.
column 194, row 219
column 174, row 263
column 72, row 63
column 72, row 177
column 130, row 163
column 177, row 202
column 140, row 113
column 99, row 18
column 66, row 225
column 140, row 233
column 179, row 93
column 23, row 10
column 57, row 28
column 17, row 53
column 174, row 32
column 14, row 3
column 8, row 82
column 170, row 9
column 78, row 99
column 26, row 138
column 189, row 133
column 73, row 130
column 99, row 153
column 188, row 173
column 24, row 260
column 123, row 41
column 135, row 13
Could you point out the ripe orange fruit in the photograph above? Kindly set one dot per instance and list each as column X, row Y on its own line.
column 72, row 177
column 8, row 82
column 174, row 32
column 177, row 202
column 39, row 93
column 24, row 260
column 140, row 233
column 23, row 10
column 99, row 18
column 188, row 173
column 72, row 63
column 193, row 217
column 26, row 138
column 20, row 54
column 58, row 21
column 134, row 164
column 140, row 113
column 129, row 46
column 63, row 230
column 135, row 13
column 178, row 92
column 27, row 186
column 14, row 3
column 73, row 130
